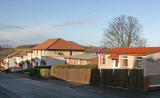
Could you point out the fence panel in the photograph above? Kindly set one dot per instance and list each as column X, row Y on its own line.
column 123, row 78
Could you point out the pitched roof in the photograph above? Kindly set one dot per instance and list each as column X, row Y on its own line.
column 29, row 51
column 113, row 56
column 22, row 54
column 83, row 56
column 12, row 54
column 131, row 50
column 58, row 44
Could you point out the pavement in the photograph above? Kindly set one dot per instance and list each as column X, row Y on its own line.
column 18, row 86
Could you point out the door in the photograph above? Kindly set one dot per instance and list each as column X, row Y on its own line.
column 115, row 64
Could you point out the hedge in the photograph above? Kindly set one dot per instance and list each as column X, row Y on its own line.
column 35, row 72
column 92, row 66
column 48, row 67
column 45, row 73
column 52, row 71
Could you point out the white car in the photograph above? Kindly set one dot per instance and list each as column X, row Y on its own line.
column 16, row 69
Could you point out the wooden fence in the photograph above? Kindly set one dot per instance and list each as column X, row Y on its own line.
column 73, row 75
column 123, row 78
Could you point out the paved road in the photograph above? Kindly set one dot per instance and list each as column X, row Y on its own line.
column 17, row 87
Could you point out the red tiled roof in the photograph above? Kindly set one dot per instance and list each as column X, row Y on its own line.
column 131, row 50
column 113, row 56
column 29, row 51
column 58, row 44
column 12, row 54
column 23, row 53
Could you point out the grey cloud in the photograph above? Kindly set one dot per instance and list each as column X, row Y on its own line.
column 78, row 22
column 10, row 27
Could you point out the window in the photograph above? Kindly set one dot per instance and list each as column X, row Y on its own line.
column 85, row 62
column 125, row 61
column 78, row 62
column 75, row 62
column 103, row 59
column 70, row 53
column 116, row 63
column 138, row 62
column 60, row 53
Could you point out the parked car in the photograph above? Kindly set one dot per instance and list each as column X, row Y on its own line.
column 16, row 69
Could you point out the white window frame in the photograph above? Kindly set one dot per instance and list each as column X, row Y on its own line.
column 125, row 58
column 103, row 56
column 114, row 64
column 138, row 60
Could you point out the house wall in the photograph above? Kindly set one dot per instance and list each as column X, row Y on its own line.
column 151, row 64
column 81, row 62
column 93, row 61
column 18, row 59
column 6, row 63
column 29, row 56
column 25, row 58
column 53, row 60
column 12, row 61
column 65, row 53
column 109, row 64
column 131, row 62
column 38, row 54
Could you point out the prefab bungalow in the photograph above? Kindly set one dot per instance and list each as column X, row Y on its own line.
column 82, row 59
column 147, row 58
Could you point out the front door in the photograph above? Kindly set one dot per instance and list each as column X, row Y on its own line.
column 115, row 64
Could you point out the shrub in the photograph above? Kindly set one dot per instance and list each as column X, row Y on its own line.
column 91, row 66
column 35, row 72
column 27, row 73
column 45, row 73
column 52, row 71
column 48, row 67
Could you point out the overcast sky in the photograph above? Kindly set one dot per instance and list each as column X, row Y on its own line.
column 81, row 21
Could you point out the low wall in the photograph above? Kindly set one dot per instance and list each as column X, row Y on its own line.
column 154, row 79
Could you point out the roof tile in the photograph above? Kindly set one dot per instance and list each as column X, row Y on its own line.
column 131, row 50
column 58, row 44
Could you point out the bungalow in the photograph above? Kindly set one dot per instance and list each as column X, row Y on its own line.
column 82, row 59
column 147, row 58
column 10, row 60
column 54, row 51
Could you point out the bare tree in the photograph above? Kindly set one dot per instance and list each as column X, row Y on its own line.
column 123, row 31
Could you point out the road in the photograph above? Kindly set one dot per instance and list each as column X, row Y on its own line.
column 16, row 87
